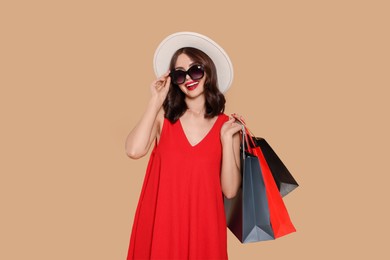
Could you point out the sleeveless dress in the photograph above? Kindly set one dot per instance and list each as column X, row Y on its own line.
column 180, row 212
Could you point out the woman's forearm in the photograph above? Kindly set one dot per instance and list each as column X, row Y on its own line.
column 139, row 139
column 230, row 171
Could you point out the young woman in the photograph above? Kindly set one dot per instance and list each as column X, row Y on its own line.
column 195, row 160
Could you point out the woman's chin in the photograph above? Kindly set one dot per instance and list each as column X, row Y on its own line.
column 192, row 91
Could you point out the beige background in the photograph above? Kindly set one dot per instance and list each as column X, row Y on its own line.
column 312, row 77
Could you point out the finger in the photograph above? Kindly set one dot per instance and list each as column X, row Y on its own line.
column 233, row 125
column 236, row 116
column 232, row 121
column 158, row 84
column 236, row 128
column 236, row 124
column 239, row 118
column 159, row 81
column 168, row 82
column 233, row 129
column 164, row 77
column 166, row 74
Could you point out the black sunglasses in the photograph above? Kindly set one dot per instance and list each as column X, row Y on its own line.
column 195, row 72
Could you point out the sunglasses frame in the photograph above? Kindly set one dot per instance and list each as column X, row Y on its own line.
column 186, row 72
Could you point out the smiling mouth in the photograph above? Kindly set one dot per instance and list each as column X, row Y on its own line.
column 192, row 85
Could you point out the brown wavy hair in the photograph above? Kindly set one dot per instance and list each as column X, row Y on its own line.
column 175, row 106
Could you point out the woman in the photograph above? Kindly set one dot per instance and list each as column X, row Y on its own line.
column 195, row 160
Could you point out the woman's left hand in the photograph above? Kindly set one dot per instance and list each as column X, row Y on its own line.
column 229, row 128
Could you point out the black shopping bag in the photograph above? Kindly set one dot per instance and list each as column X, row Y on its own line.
column 247, row 214
column 282, row 176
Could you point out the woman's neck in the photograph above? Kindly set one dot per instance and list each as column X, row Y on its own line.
column 197, row 105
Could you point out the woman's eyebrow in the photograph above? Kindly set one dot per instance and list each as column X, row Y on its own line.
column 192, row 63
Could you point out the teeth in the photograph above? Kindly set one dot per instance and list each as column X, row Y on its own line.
column 192, row 84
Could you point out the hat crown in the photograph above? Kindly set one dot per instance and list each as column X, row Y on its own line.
column 178, row 40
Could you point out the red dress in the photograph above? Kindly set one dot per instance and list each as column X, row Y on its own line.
column 180, row 212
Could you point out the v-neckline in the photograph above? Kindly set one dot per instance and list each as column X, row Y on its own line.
column 202, row 139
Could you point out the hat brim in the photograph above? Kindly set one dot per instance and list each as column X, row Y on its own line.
column 173, row 42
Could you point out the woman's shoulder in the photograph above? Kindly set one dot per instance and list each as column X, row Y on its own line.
column 224, row 117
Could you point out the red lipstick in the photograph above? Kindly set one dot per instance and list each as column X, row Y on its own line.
column 191, row 85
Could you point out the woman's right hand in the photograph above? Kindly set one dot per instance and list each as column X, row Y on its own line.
column 160, row 87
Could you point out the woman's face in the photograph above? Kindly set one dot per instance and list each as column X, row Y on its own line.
column 192, row 88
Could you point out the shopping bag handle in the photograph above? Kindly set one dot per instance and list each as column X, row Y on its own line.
column 244, row 138
column 246, row 132
column 243, row 123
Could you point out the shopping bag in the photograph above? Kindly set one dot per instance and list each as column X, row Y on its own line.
column 247, row 214
column 282, row 176
column 280, row 219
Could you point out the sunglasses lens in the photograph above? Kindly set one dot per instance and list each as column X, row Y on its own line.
column 196, row 72
column 178, row 76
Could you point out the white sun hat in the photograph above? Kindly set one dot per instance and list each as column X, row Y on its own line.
column 173, row 42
